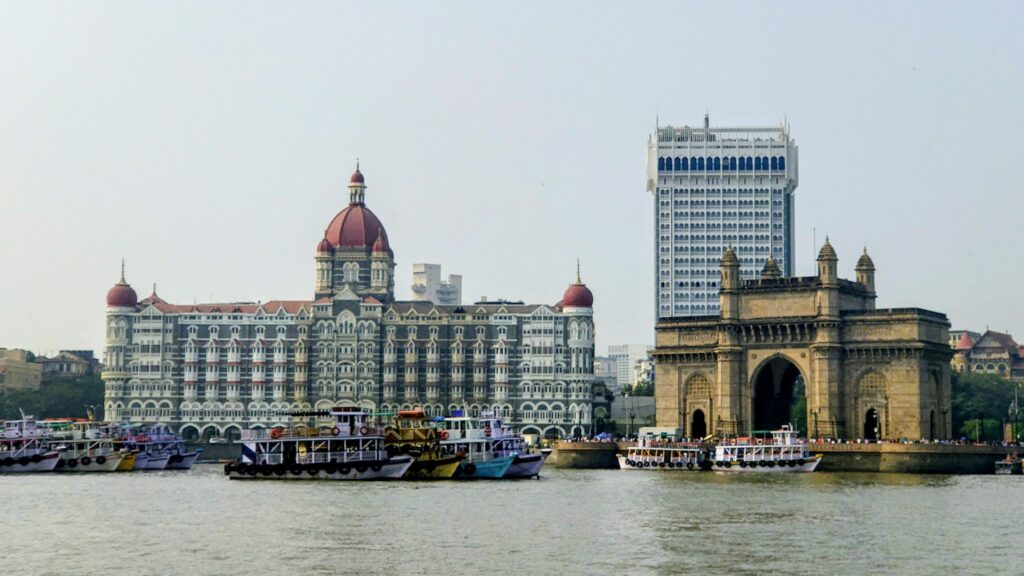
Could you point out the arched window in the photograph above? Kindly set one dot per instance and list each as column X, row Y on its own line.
column 775, row 163
column 732, row 163
column 718, row 163
column 700, row 163
column 764, row 162
column 782, row 162
column 693, row 163
column 757, row 163
column 750, row 163
column 677, row 163
column 683, row 164
column 661, row 163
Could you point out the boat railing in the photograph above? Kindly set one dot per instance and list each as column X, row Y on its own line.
column 326, row 457
column 261, row 434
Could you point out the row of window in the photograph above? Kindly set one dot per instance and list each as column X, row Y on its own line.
column 741, row 164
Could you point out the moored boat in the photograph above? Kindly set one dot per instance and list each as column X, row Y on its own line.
column 412, row 434
column 348, row 447
column 463, row 436
column 85, row 446
column 24, row 448
column 664, row 453
column 1012, row 465
column 505, row 442
column 782, row 452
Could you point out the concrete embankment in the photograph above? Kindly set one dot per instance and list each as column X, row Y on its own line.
column 910, row 458
column 899, row 458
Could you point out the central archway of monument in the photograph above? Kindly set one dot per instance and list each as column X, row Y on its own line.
column 779, row 396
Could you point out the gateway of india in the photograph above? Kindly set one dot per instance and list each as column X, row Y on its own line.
column 212, row 370
column 865, row 372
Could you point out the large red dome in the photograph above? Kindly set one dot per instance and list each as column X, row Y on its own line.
column 578, row 296
column 356, row 227
column 122, row 296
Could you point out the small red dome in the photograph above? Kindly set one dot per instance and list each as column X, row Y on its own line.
column 122, row 296
column 324, row 247
column 578, row 296
column 357, row 177
column 380, row 245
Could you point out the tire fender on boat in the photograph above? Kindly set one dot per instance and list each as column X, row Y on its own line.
column 86, row 460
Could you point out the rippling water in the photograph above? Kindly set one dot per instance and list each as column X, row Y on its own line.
column 570, row 522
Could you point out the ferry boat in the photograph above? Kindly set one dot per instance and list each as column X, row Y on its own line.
column 664, row 452
column 504, row 442
column 349, row 448
column 1011, row 465
column 159, row 448
column 24, row 447
column 412, row 434
column 783, row 452
column 463, row 436
column 85, row 445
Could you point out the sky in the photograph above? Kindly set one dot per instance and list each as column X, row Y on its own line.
column 209, row 145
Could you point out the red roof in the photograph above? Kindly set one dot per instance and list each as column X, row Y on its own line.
column 357, row 177
column 965, row 342
column 271, row 307
column 356, row 227
column 122, row 296
column 577, row 296
column 324, row 247
column 370, row 300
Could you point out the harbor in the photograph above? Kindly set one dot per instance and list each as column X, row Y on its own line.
column 613, row 522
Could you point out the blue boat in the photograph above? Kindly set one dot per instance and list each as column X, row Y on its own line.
column 464, row 436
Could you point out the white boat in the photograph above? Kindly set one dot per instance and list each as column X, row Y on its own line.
column 1011, row 465
column 344, row 445
column 782, row 452
column 504, row 442
column 162, row 447
column 464, row 436
column 24, row 448
column 663, row 453
column 85, row 446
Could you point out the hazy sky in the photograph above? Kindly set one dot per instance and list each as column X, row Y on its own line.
column 210, row 144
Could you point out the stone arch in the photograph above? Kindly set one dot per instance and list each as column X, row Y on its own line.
column 698, row 395
column 777, row 387
column 232, row 432
column 210, row 431
column 189, row 432
column 871, row 405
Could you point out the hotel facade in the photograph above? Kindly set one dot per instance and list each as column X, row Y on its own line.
column 216, row 369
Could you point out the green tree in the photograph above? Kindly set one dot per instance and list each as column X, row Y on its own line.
column 58, row 398
column 981, row 396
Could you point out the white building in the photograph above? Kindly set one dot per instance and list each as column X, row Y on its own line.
column 716, row 187
column 427, row 285
column 219, row 368
column 626, row 357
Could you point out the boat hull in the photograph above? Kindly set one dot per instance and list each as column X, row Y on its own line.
column 157, row 461
column 794, row 467
column 105, row 463
column 433, row 469
column 182, row 461
column 390, row 469
column 525, row 466
column 128, row 462
column 45, row 463
column 141, row 461
column 488, row 469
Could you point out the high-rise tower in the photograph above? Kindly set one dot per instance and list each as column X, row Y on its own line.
column 716, row 187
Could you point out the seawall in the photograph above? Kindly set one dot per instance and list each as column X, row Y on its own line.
column 898, row 458
column 214, row 452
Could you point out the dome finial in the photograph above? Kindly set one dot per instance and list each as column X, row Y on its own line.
column 122, row 270
column 578, row 280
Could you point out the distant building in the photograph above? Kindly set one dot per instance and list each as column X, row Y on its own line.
column 713, row 188
column 956, row 335
column 643, row 372
column 18, row 371
column 989, row 353
column 427, row 286
column 70, row 363
column 606, row 368
column 626, row 356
